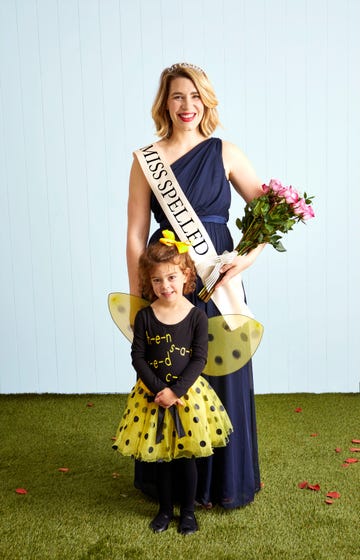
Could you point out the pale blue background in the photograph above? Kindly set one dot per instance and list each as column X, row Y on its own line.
column 77, row 79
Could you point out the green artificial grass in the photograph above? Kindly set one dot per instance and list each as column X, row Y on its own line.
column 94, row 512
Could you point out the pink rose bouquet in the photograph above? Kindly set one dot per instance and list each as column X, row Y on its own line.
column 271, row 214
column 266, row 218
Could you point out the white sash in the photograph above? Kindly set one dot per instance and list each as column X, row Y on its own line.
column 186, row 224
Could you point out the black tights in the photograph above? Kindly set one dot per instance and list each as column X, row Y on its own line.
column 182, row 475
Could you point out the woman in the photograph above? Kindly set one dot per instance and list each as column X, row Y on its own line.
column 185, row 116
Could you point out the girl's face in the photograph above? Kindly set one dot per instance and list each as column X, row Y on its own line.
column 185, row 107
column 167, row 281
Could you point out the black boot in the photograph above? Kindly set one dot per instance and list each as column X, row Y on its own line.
column 188, row 524
column 161, row 522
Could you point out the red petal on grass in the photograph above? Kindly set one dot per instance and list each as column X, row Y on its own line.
column 63, row 469
column 333, row 495
column 355, row 441
column 337, row 449
column 90, row 404
column 113, row 438
column 262, row 484
column 329, row 502
column 354, row 449
column 351, row 460
column 21, row 491
column 315, row 487
column 299, row 409
column 345, row 465
column 314, row 435
column 303, row 484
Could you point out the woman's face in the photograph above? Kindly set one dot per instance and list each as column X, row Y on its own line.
column 185, row 107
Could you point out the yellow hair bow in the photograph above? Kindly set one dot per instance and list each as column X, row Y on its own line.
column 169, row 239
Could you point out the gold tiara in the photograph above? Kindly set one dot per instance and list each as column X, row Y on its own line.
column 185, row 65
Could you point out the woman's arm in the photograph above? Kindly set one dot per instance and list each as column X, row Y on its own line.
column 138, row 223
column 240, row 172
column 244, row 179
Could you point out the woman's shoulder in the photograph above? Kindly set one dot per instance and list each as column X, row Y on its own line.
column 230, row 149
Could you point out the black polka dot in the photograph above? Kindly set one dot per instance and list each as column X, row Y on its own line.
column 141, row 390
column 198, row 390
column 221, row 408
column 189, row 433
column 236, row 354
column 212, row 408
column 136, row 405
column 146, row 436
column 153, row 411
column 186, row 397
column 121, row 309
column 186, row 409
column 197, row 407
column 202, row 443
column 195, row 419
column 210, row 337
column 127, row 442
column 225, row 326
column 219, row 431
column 244, row 337
column 151, row 449
column 180, row 446
column 136, row 419
column 218, row 360
column 144, row 409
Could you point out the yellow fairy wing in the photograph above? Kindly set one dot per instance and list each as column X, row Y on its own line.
column 233, row 340
column 123, row 308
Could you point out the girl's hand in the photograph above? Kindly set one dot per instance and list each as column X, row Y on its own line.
column 238, row 265
column 166, row 398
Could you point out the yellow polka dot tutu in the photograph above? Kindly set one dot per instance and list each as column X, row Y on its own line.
column 148, row 432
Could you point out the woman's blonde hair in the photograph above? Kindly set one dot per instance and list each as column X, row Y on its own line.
column 200, row 80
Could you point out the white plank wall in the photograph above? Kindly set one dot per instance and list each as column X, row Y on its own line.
column 77, row 79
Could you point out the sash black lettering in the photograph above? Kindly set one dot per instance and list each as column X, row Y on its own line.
column 156, row 166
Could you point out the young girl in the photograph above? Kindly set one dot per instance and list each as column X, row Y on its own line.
column 172, row 412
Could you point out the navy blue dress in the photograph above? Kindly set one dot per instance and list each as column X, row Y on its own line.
column 231, row 476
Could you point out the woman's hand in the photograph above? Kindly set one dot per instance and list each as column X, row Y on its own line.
column 238, row 265
column 166, row 398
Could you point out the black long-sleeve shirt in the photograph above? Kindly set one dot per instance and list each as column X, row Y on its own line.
column 169, row 355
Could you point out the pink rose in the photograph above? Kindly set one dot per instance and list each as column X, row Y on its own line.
column 265, row 188
column 309, row 212
column 304, row 210
column 291, row 195
column 276, row 186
